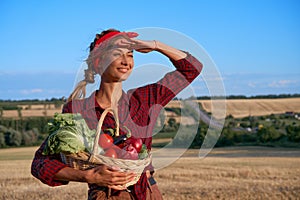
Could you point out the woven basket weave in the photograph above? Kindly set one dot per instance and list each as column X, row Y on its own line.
column 84, row 160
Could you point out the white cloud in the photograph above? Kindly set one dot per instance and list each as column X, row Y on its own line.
column 31, row 91
column 252, row 84
column 281, row 83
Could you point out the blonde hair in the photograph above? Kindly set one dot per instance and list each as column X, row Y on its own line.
column 89, row 74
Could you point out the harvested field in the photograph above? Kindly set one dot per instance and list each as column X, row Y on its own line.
column 254, row 107
column 226, row 173
column 31, row 113
column 10, row 113
column 37, row 113
column 235, row 107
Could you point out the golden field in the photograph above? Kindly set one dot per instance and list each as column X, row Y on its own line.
column 235, row 107
column 249, row 107
column 226, row 173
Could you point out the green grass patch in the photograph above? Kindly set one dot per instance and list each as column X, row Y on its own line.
column 162, row 135
column 22, row 153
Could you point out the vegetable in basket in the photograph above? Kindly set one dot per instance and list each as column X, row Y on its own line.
column 105, row 141
column 122, row 146
column 68, row 133
column 135, row 142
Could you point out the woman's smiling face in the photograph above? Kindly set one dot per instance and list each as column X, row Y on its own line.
column 118, row 64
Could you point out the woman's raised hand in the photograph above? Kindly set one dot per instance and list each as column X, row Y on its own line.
column 143, row 46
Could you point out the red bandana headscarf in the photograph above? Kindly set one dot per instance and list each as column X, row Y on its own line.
column 110, row 35
column 115, row 33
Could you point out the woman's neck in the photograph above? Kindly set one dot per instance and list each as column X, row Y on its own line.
column 109, row 94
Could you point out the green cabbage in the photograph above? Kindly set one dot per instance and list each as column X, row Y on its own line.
column 68, row 133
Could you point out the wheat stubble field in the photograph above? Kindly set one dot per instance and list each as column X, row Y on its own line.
column 226, row 173
column 235, row 107
column 239, row 108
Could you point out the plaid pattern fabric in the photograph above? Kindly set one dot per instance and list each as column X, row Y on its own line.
column 138, row 110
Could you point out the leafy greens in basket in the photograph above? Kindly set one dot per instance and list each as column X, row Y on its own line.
column 68, row 133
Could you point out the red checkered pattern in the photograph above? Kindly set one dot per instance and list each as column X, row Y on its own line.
column 138, row 110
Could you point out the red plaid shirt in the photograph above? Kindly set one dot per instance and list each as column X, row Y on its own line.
column 137, row 110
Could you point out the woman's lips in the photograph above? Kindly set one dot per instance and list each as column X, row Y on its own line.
column 123, row 70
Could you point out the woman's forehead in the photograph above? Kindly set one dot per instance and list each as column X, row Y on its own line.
column 122, row 50
column 119, row 44
column 119, row 39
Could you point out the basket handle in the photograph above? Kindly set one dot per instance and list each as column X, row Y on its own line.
column 99, row 126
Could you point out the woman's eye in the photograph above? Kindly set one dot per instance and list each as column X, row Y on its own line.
column 117, row 54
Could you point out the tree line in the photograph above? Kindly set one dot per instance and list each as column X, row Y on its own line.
column 272, row 130
column 63, row 99
column 23, row 132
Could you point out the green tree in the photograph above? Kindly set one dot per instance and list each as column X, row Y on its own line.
column 30, row 137
column 200, row 136
column 2, row 140
column 13, row 137
column 188, row 135
column 293, row 133
column 226, row 138
column 172, row 122
column 268, row 134
column 3, row 130
column 244, row 124
column 1, row 111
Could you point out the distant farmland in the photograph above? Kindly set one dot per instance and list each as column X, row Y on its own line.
column 251, row 107
column 236, row 107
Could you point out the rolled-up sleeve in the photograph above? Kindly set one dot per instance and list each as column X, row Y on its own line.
column 163, row 91
column 45, row 167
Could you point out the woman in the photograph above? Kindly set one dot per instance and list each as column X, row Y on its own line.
column 111, row 57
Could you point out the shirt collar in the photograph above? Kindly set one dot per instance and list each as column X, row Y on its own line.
column 90, row 102
column 125, row 97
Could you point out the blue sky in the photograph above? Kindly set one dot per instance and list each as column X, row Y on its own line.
column 254, row 44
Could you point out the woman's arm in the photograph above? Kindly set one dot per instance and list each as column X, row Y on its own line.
column 144, row 46
column 101, row 175
column 171, row 52
column 51, row 171
column 45, row 167
column 163, row 91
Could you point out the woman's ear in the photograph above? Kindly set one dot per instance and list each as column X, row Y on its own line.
column 96, row 67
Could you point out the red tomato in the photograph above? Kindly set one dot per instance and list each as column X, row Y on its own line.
column 105, row 141
column 111, row 153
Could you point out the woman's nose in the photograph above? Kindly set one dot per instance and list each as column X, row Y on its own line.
column 124, row 60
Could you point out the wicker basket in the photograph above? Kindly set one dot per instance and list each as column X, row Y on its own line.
column 84, row 160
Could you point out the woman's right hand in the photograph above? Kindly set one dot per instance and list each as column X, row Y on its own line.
column 109, row 177
column 101, row 175
column 142, row 46
column 146, row 46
